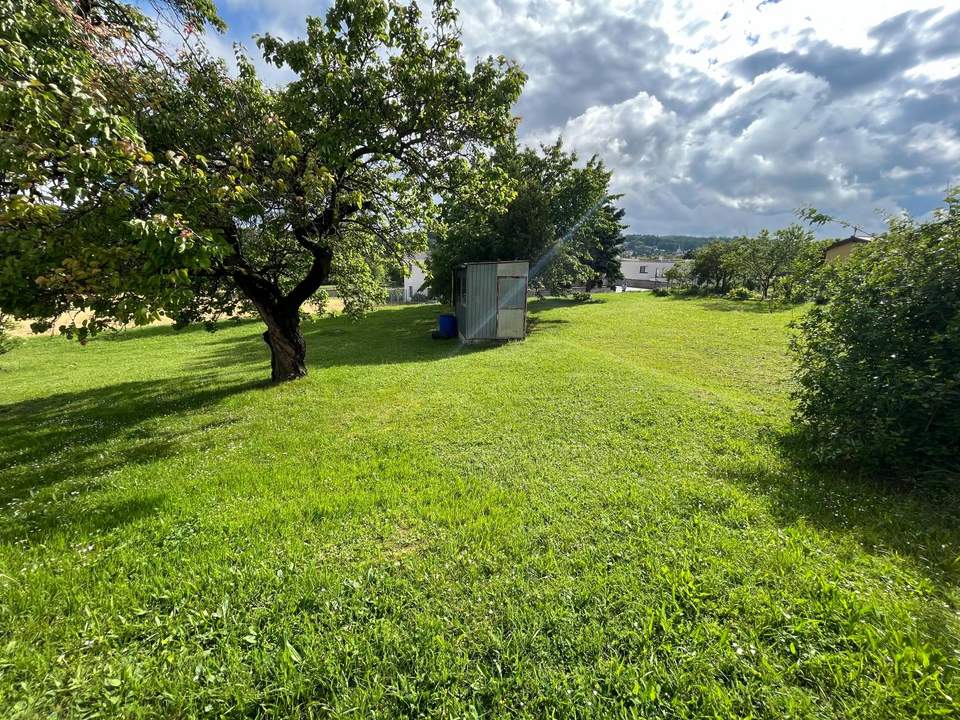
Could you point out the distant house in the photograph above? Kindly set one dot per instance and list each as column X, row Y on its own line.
column 414, row 284
column 841, row 249
column 643, row 273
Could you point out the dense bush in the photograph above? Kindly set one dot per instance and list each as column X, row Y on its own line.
column 742, row 293
column 879, row 361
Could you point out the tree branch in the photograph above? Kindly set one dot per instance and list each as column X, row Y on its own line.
column 315, row 277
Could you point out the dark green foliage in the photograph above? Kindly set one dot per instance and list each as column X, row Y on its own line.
column 605, row 247
column 541, row 206
column 879, row 362
column 807, row 274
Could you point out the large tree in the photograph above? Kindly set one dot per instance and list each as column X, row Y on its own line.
column 550, row 210
column 267, row 195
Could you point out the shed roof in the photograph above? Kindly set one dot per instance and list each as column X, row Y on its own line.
column 492, row 262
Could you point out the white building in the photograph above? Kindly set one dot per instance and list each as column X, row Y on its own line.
column 643, row 273
column 414, row 282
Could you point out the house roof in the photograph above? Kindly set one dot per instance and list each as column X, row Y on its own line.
column 848, row 241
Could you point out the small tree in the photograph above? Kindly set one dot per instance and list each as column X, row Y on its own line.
column 807, row 274
column 679, row 274
column 716, row 265
column 768, row 256
column 879, row 362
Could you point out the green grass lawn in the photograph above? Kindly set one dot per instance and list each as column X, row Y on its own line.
column 598, row 521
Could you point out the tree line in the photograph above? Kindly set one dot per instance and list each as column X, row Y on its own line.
column 653, row 245
column 784, row 263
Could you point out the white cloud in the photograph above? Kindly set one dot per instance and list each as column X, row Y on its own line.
column 735, row 114
column 722, row 116
column 936, row 142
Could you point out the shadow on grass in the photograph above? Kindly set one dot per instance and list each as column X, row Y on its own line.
column 166, row 330
column 536, row 324
column 917, row 521
column 386, row 337
column 57, row 448
column 552, row 303
column 720, row 304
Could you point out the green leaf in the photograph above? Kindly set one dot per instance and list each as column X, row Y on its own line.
column 292, row 652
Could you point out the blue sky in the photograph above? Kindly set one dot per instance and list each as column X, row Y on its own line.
column 722, row 117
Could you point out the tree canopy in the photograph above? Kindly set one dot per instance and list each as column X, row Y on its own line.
column 192, row 188
column 74, row 170
column 548, row 209
column 757, row 263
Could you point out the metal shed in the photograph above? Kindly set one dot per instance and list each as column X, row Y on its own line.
column 491, row 300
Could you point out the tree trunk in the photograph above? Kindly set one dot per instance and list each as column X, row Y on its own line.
column 288, row 350
column 281, row 313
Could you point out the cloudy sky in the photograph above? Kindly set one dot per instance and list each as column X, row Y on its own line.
column 722, row 117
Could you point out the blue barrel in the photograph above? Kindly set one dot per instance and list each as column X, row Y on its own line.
column 448, row 325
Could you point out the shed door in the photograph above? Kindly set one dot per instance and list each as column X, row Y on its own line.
column 511, row 306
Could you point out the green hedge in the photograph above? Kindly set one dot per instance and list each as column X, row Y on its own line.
column 879, row 362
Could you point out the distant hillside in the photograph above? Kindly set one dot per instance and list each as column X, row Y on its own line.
column 643, row 245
